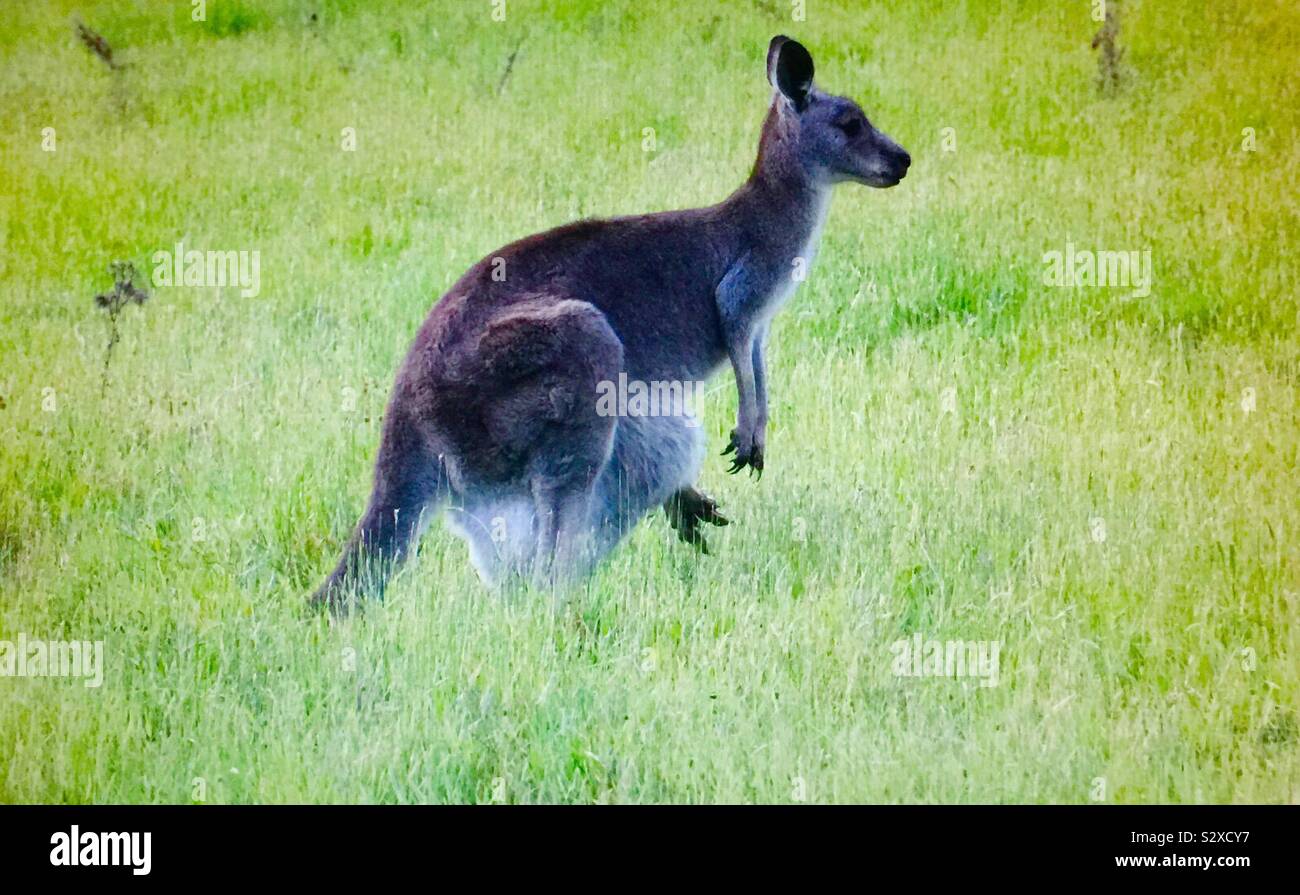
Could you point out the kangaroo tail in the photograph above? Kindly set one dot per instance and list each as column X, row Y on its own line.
column 410, row 480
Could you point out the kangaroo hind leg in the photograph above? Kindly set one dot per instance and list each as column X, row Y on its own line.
column 549, row 411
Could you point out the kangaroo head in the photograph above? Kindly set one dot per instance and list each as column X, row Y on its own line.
column 829, row 137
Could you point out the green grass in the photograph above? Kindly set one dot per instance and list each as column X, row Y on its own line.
column 184, row 517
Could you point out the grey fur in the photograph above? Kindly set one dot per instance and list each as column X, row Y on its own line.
column 493, row 414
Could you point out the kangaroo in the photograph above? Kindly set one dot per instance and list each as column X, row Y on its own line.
column 494, row 416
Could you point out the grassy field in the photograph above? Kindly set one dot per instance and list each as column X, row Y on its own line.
column 1104, row 484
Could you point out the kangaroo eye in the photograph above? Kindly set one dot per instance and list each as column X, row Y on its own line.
column 851, row 126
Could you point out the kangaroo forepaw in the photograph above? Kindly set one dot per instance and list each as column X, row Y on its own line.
column 748, row 452
column 686, row 510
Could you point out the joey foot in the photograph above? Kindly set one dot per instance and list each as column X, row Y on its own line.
column 686, row 510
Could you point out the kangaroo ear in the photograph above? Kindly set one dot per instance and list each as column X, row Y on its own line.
column 790, row 69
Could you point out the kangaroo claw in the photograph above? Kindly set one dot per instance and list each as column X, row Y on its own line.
column 686, row 510
column 748, row 453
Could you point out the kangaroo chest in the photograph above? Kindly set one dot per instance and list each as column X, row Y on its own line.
column 764, row 277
